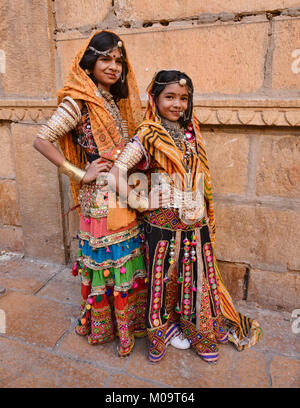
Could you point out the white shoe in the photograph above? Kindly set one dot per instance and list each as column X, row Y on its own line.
column 180, row 342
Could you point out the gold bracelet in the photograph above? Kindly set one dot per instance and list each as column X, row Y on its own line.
column 75, row 173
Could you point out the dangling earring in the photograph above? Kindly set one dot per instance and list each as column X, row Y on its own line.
column 87, row 71
column 185, row 115
column 123, row 76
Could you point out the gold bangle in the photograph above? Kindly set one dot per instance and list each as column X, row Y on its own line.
column 75, row 173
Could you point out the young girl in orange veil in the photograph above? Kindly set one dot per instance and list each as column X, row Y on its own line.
column 99, row 108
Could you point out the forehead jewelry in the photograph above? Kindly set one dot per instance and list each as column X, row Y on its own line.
column 181, row 82
column 107, row 52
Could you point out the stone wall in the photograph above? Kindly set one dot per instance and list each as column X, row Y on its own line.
column 244, row 59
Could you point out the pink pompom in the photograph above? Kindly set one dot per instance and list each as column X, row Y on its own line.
column 123, row 269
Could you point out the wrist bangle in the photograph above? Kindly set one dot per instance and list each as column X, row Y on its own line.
column 75, row 173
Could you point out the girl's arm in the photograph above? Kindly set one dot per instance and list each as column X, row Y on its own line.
column 65, row 119
column 132, row 155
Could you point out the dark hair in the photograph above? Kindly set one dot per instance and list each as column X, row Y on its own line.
column 104, row 41
column 166, row 77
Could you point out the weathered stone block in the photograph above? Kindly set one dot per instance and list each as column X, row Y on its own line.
column 45, row 370
column 9, row 209
column 28, row 46
column 11, row 238
column 25, row 275
column 228, row 160
column 286, row 57
column 257, row 235
column 291, row 370
column 39, row 197
column 174, row 9
column 66, row 51
column 78, row 13
column 219, row 59
column 233, row 276
column 7, row 166
column 274, row 289
column 278, row 171
column 28, row 318
column 234, row 369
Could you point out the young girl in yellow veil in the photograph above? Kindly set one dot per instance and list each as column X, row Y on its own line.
column 185, row 288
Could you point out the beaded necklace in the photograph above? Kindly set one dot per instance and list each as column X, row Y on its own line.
column 181, row 137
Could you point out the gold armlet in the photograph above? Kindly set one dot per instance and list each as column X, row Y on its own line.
column 63, row 120
column 75, row 173
column 130, row 156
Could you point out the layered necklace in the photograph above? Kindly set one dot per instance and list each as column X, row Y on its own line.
column 113, row 110
column 180, row 136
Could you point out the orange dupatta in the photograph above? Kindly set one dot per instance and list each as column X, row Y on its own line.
column 79, row 86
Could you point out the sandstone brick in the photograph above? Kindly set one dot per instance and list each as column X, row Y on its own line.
column 291, row 370
column 35, row 320
column 233, row 276
column 274, row 289
column 78, row 13
column 228, row 160
column 179, row 370
column 278, row 171
column 63, row 290
column 233, row 53
column 66, row 51
column 39, row 198
column 286, row 57
column 174, row 9
column 11, row 238
column 277, row 335
column 25, row 275
column 9, row 211
column 257, row 235
column 27, row 367
column 7, row 166
column 123, row 381
column 78, row 347
column 28, row 48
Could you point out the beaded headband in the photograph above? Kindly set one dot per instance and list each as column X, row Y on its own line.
column 107, row 52
column 181, row 82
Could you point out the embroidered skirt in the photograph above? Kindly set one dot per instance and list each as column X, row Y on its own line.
column 112, row 270
column 185, row 286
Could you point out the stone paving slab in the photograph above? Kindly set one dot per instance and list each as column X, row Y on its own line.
column 39, row 348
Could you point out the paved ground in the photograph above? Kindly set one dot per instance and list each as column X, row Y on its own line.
column 40, row 349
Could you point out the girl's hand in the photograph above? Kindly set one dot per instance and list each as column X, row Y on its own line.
column 95, row 168
column 157, row 199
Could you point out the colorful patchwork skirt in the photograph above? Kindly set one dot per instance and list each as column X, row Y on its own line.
column 186, row 288
column 112, row 269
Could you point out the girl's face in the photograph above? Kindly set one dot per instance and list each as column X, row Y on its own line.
column 108, row 69
column 171, row 101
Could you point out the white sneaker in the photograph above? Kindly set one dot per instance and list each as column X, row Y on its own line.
column 180, row 342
